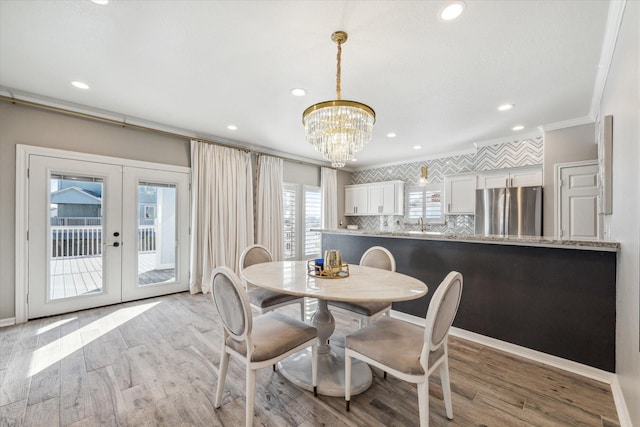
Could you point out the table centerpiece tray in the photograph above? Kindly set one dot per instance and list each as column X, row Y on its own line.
column 340, row 272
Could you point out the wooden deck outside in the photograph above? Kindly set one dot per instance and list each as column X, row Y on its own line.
column 71, row 277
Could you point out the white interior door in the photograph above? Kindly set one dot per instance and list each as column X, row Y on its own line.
column 579, row 202
column 75, row 214
column 103, row 233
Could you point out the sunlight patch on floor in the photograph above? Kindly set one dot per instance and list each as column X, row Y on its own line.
column 57, row 350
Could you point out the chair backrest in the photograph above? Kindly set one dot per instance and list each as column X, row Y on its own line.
column 378, row 257
column 254, row 254
column 230, row 299
column 441, row 312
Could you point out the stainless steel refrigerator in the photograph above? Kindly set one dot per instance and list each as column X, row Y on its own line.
column 509, row 211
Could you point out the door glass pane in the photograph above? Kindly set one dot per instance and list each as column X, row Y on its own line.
column 75, row 211
column 156, row 233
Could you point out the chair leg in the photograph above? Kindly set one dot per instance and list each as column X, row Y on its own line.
column 423, row 402
column 222, row 374
column 347, row 378
column 250, row 396
column 314, row 368
column 446, row 387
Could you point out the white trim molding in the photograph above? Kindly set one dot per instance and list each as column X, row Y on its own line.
column 614, row 21
column 537, row 356
column 507, row 139
column 9, row 321
column 578, row 121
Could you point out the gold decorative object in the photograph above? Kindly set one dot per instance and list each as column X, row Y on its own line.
column 338, row 129
column 334, row 272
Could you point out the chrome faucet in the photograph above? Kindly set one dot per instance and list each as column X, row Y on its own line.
column 421, row 224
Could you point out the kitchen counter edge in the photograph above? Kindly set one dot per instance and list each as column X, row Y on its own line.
column 547, row 242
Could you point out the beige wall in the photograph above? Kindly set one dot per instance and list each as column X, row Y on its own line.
column 344, row 178
column 300, row 173
column 25, row 125
column 622, row 100
column 562, row 146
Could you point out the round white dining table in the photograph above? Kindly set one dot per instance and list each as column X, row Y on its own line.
column 364, row 284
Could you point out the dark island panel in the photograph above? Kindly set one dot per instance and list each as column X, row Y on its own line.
column 557, row 301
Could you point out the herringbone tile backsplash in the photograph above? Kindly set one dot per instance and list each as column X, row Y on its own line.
column 527, row 152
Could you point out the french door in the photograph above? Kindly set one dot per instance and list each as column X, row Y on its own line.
column 100, row 233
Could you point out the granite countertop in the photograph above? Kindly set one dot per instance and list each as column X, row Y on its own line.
column 550, row 242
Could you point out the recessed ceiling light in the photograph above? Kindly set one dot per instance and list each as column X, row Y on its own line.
column 232, row 127
column 519, row 127
column 416, row 147
column 100, row 2
column 505, row 107
column 451, row 10
column 80, row 85
column 298, row 92
column 391, row 135
column 354, row 160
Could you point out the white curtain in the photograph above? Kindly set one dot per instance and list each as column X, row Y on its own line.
column 269, row 216
column 221, row 210
column 329, row 198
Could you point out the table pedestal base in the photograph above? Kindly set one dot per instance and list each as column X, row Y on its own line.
column 297, row 369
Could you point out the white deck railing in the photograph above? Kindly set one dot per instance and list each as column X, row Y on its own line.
column 86, row 240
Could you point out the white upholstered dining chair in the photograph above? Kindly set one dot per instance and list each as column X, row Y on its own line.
column 271, row 338
column 366, row 312
column 408, row 351
column 265, row 300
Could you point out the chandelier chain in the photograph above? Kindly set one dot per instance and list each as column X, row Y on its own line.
column 339, row 58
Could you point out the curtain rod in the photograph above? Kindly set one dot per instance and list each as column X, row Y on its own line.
column 145, row 128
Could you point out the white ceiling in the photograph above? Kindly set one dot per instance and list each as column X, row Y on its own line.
column 199, row 66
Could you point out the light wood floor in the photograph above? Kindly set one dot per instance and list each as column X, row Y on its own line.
column 155, row 362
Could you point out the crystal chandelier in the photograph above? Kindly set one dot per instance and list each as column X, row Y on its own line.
column 338, row 129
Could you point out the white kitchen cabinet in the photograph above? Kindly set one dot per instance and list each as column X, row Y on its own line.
column 517, row 177
column 460, row 194
column 385, row 198
column 376, row 198
column 356, row 199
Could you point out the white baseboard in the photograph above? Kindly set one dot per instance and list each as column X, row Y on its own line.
column 540, row 357
column 7, row 322
column 621, row 405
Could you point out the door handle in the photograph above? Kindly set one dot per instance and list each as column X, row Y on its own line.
column 115, row 244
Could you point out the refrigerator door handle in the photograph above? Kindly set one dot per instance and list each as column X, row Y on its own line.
column 507, row 212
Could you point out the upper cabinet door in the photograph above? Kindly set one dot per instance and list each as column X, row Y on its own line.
column 518, row 177
column 493, row 180
column 355, row 200
column 526, row 178
column 382, row 198
column 460, row 194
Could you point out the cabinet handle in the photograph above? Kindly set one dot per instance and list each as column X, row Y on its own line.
column 449, row 207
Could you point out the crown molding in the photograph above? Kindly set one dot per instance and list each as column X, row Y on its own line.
column 52, row 104
column 612, row 29
column 578, row 121
column 506, row 139
column 416, row 160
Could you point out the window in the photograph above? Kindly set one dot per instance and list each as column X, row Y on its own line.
column 312, row 213
column 301, row 213
column 289, row 215
column 426, row 203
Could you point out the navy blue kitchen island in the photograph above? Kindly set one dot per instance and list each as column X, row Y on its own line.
column 556, row 297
